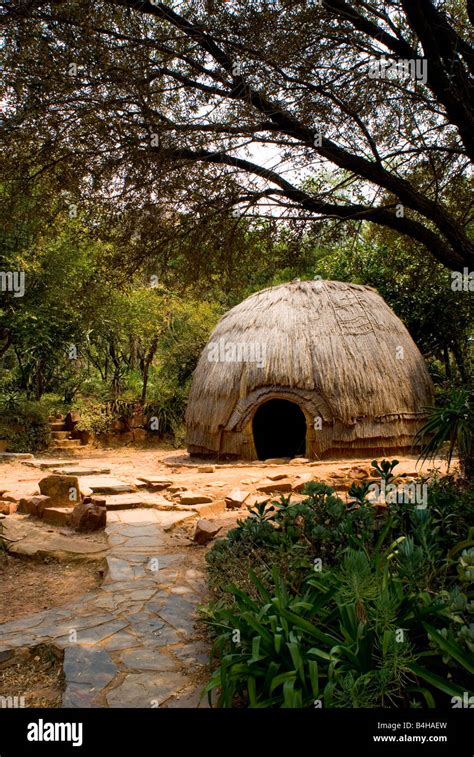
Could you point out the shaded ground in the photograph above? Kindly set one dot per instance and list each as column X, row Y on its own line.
column 34, row 676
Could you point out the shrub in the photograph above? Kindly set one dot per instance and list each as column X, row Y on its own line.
column 25, row 425
column 384, row 619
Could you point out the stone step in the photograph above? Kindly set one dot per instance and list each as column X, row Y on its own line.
column 58, row 426
column 66, row 443
column 57, row 516
column 46, row 463
column 122, row 501
column 16, row 456
column 107, row 485
column 65, row 469
column 59, row 434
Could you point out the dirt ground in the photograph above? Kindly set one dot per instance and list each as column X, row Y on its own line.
column 40, row 585
column 35, row 676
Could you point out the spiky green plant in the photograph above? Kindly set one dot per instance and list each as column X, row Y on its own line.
column 450, row 425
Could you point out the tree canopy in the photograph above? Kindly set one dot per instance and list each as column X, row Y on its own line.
column 304, row 110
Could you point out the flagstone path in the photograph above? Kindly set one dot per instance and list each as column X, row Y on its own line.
column 132, row 642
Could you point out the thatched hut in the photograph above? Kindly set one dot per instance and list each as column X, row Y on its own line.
column 311, row 368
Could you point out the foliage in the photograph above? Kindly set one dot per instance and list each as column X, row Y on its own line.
column 24, row 425
column 451, row 425
column 383, row 619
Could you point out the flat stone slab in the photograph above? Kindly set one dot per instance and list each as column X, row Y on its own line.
column 72, row 471
column 107, row 485
column 123, row 501
column 45, row 463
column 94, row 635
column 163, row 518
column 147, row 659
column 15, row 456
column 146, row 689
column 93, row 667
column 40, row 543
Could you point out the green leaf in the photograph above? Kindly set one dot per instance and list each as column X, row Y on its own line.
column 439, row 683
column 453, row 650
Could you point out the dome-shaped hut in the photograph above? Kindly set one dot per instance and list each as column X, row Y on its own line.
column 310, row 368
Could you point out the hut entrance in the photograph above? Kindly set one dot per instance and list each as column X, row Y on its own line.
column 279, row 430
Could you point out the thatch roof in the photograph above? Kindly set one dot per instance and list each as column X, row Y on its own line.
column 340, row 341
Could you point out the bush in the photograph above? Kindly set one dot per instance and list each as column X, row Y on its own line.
column 25, row 425
column 321, row 601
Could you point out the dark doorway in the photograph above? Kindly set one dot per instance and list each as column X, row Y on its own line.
column 279, row 430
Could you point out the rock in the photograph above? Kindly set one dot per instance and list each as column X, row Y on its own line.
column 206, row 469
column 16, row 456
column 275, row 486
column 193, row 498
column 7, row 508
column 256, row 499
column 277, row 461
column 88, row 517
column 276, row 476
column 205, row 531
column 177, row 488
column 301, row 481
column 34, row 505
column 57, row 516
column 62, row 490
column 299, row 461
column 140, row 435
column 213, row 508
column 358, row 473
column 155, row 484
column 236, row 498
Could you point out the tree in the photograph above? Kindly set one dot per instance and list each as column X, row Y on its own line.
column 154, row 105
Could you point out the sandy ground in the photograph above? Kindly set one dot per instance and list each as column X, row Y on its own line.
column 128, row 463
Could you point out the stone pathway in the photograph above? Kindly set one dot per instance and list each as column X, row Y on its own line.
column 133, row 642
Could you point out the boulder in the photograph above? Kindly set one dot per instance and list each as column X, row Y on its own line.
column 276, row 476
column 236, row 498
column 299, row 461
column 62, row 490
column 34, row 505
column 206, row 469
column 88, row 517
column 193, row 498
column 205, row 531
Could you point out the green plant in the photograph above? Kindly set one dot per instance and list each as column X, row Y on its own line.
column 25, row 425
column 385, row 469
column 450, row 425
column 359, row 492
column 384, row 611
